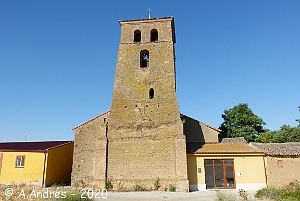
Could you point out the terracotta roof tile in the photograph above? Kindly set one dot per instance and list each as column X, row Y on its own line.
column 231, row 140
column 31, row 146
column 280, row 149
column 221, row 148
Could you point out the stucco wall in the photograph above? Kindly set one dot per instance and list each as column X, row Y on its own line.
column 59, row 165
column 249, row 171
column 282, row 170
column 195, row 131
column 30, row 174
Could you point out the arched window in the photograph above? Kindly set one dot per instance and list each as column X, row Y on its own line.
column 137, row 36
column 151, row 93
column 154, row 35
column 144, row 57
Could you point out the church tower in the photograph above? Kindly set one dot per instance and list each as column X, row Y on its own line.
column 145, row 132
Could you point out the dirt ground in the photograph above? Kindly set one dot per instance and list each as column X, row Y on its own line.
column 169, row 196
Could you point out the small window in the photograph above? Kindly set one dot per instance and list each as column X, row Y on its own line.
column 144, row 58
column 20, row 161
column 137, row 36
column 151, row 93
column 154, row 35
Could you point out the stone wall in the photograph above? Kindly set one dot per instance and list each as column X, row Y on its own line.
column 282, row 170
column 89, row 158
column 142, row 141
column 145, row 135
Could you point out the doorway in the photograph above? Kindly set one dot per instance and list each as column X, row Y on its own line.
column 219, row 173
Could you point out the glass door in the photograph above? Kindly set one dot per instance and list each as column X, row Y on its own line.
column 219, row 173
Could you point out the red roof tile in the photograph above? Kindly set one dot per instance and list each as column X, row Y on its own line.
column 222, row 148
column 31, row 146
column 279, row 149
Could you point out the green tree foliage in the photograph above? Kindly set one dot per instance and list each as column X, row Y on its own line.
column 286, row 133
column 240, row 121
column 298, row 119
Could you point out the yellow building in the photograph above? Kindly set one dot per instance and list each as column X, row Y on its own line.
column 231, row 165
column 36, row 163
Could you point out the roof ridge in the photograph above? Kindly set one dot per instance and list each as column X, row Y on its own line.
column 38, row 146
column 91, row 119
column 67, row 142
column 207, row 125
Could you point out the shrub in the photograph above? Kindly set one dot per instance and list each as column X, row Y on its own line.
column 222, row 196
column 269, row 193
column 243, row 194
column 138, row 188
column 293, row 186
column 156, row 184
column 172, row 188
column 291, row 196
column 108, row 184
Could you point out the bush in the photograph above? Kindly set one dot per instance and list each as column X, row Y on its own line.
column 172, row 188
column 156, row 184
column 291, row 196
column 108, row 184
column 138, row 188
column 269, row 193
column 222, row 196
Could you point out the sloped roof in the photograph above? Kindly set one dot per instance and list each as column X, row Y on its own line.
column 209, row 126
column 231, row 140
column 222, row 148
column 107, row 112
column 31, row 146
column 280, row 149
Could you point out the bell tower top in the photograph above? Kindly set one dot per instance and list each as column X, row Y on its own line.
column 148, row 30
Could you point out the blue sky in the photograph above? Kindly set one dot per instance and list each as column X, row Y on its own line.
column 58, row 58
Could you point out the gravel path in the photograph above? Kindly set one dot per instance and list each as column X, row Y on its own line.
column 209, row 195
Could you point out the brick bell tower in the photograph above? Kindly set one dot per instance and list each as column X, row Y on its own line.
column 145, row 132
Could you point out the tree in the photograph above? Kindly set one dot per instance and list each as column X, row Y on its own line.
column 240, row 121
column 298, row 119
column 286, row 133
column 265, row 137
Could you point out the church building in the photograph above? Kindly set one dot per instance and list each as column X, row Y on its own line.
column 143, row 139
